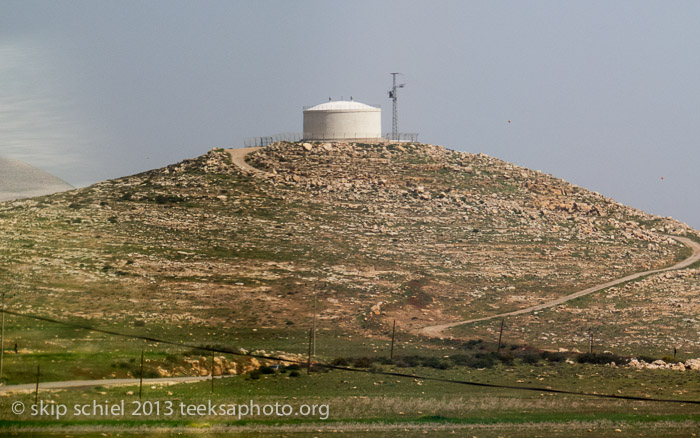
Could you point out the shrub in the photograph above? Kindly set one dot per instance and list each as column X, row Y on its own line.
column 478, row 360
column 363, row 362
column 552, row 356
column 484, row 360
column 294, row 373
column 530, row 358
column 121, row 365
column 473, row 343
column 255, row 374
column 293, row 367
column 266, row 370
column 437, row 363
column 505, row 358
column 168, row 199
column 600, row 358
column 407, row 361
column 340, row 362
column 668, row 359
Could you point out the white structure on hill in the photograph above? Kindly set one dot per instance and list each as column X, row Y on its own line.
column 342, row 120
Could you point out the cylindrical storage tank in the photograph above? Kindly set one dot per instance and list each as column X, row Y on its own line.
column 342, row 120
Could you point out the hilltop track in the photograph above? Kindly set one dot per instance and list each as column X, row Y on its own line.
column 238, row 158
column 436, row 331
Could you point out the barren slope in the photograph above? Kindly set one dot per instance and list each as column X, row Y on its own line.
column 413, row 232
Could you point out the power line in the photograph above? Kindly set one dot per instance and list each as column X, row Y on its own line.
column 356, row 370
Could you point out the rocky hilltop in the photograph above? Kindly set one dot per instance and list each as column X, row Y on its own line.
column 412, row 232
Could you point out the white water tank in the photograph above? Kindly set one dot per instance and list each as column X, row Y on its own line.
column 342, row 120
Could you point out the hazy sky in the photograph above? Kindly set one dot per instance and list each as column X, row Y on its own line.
column 603, row 94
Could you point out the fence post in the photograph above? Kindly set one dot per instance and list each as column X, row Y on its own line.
column 36, row 394
column 313, row 345
column 212, row 372
column 393, row 335
column 500, row 336
column 308, row 361
column 141, row 376
column 2, row 339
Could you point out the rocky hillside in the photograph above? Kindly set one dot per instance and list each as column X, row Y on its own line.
column 412, row 232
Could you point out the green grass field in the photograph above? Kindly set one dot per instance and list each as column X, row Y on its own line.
column 362, row 404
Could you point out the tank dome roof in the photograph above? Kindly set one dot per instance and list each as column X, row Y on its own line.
column 343, row 105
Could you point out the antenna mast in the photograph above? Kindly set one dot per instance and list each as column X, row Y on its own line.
column 395, row 117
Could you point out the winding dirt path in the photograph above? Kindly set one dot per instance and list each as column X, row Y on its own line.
column 238, row 158
column 437, row 330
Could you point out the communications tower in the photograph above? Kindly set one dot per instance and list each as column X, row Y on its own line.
column 395, row 117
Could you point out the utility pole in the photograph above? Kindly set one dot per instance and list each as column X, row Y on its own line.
column 500, row 336
column 395, row 116
column 2, row 338
column 212, row 372
column 36, row 393
column 141, row 376
column 313, row 336
column 308, row 361
column 393, row 335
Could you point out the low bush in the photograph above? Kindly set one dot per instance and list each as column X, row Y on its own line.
column 505, row 358
column 363, row 362
column 473, row 344
column 340, row 362
column 266, row 370
column 478, row 360
column 531, row 358
column 552, row 356
column 600, row 358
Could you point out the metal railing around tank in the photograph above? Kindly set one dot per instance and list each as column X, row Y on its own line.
column 402, row 136
column 297, row 136
column 250, row 142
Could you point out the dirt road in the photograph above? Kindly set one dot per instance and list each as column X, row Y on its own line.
column 437, row 330
column 238, row 158
column 30, row 387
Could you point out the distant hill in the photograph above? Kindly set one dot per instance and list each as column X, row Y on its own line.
column 22, row 180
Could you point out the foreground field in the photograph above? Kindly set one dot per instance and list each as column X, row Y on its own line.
column 370, row 405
